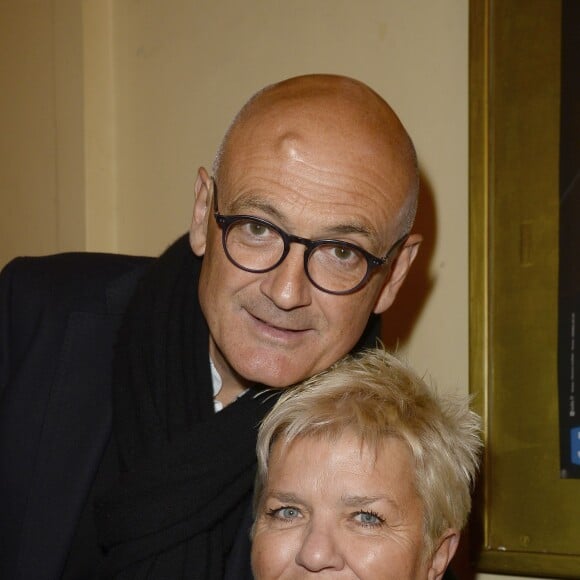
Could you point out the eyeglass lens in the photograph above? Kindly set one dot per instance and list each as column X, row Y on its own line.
column 256, row 247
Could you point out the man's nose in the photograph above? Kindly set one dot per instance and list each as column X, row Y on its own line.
column 287, row 285
column 320, row 549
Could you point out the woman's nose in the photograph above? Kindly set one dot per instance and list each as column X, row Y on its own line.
column 320, row 549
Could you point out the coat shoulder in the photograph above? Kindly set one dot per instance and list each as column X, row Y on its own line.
column 78, row 279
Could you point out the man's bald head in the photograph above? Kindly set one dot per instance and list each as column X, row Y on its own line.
column 330, row 118
column 318, row 171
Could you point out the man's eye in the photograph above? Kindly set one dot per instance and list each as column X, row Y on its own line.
column 257, row 229
column 369, row 519
column 343, row 253
column 287, row 513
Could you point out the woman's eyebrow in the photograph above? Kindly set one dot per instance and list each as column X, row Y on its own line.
column 364, row 500
column 283, row 496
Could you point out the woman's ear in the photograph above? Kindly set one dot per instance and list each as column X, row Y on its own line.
column 399, row 270
column 443, row 554
column 203, row 190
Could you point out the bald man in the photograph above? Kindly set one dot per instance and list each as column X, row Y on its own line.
column 299, row 237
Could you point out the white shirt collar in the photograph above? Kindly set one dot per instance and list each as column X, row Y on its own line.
column 217, row 386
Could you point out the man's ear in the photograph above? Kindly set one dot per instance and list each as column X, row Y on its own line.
column 399, row 270
column 443, row 554
column 201, row 212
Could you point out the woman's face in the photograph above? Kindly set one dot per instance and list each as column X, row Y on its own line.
column 338, row 510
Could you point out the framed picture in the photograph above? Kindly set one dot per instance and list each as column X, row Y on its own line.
column 525, row 280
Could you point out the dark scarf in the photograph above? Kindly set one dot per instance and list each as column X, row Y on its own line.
column 186, row 472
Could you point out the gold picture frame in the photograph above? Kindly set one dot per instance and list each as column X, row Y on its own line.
column 530, row 517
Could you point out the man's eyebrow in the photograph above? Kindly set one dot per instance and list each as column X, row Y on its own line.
column 251, row 203
column 352, row 229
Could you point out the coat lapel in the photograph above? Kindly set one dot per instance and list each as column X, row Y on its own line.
column 76, row 429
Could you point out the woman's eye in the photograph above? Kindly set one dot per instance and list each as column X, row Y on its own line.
column 369, row 519
column 285, row 513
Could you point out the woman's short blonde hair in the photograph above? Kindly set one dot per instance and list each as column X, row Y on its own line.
column 375, row 395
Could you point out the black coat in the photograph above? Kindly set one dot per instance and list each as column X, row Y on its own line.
column 59, row 317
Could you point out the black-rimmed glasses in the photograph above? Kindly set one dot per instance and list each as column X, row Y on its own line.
column 256, row 245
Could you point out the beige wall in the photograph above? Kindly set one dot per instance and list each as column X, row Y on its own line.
column 108, row 107
column 41, row 137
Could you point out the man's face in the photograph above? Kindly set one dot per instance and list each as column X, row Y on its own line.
column 316, row 178
column 334, row 509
